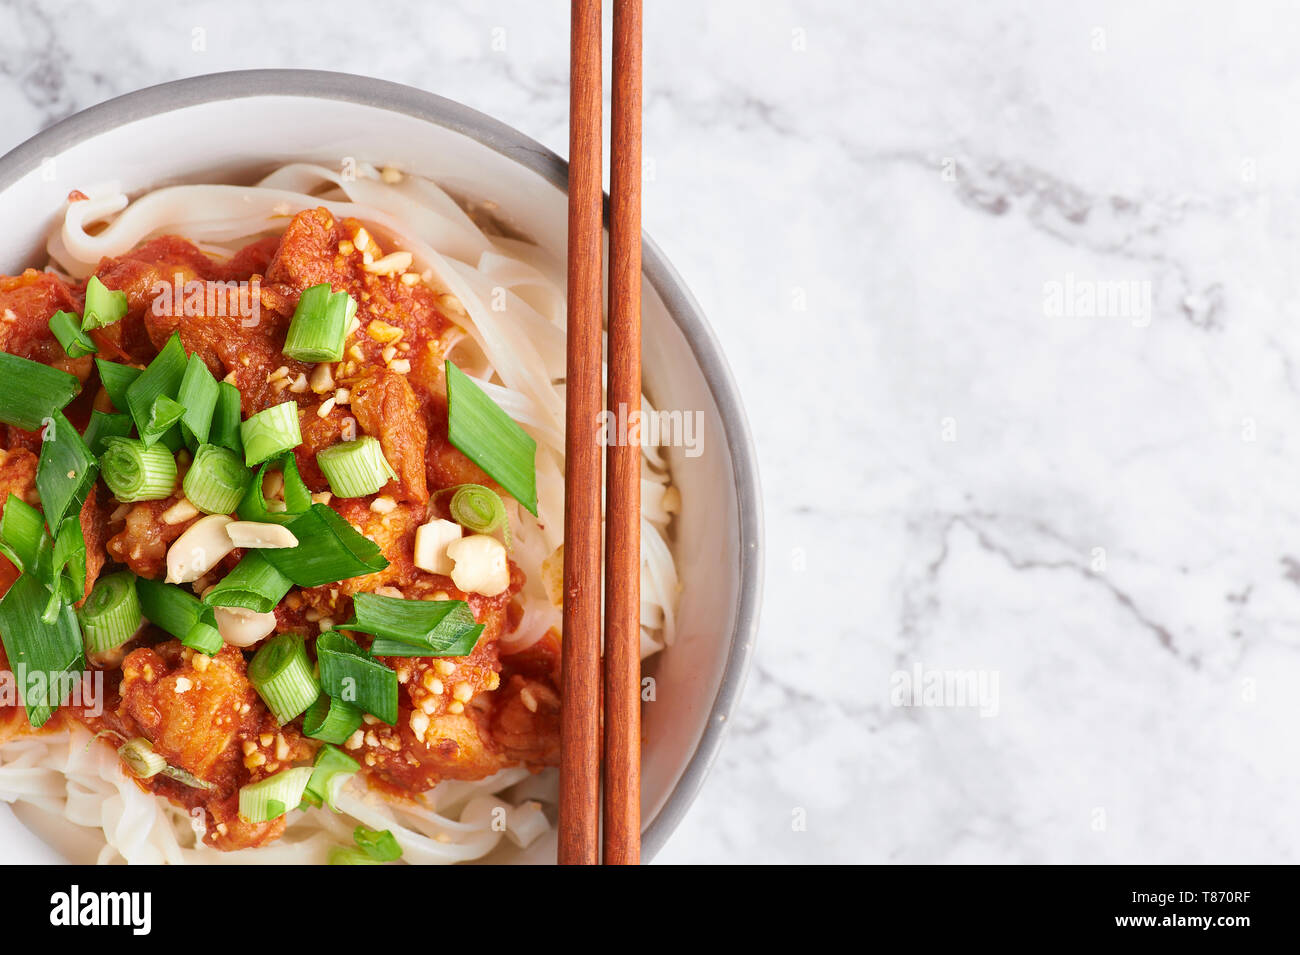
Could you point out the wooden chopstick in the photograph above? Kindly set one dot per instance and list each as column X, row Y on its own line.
column 581, row 714
column 580, row 676
column 622, row 819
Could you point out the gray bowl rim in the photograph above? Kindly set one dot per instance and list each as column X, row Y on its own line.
column 681, row 305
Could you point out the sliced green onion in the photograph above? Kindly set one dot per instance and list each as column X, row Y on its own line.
column 188, row 778
column 144, row 763
column 48, row 570
column 272, row 797
column 161, row 378
column 59, row 591
column 104, row 425
column 281, row 674
column 319, row 325
column 140, row 758
column 103, row 306
column 254, row 585
column 49, row 656
column 135, row 472
column 69, row 552
column 297, row 496
column 168, row 607
column 329, row 550
column 65, row 472
column 67, row 329
column 462, row 646
column 172, row 439
column 331, row 720
column 204, row 635
column 111, row 615
column 116, row 379
column 217, row 480
column 21, row 529
column 355, row 468
column 198, row 395
column 348, row 673
column 490, row 438
column 270, row 432
column 42, row 567
column 374, row 847
column 164, row 413
column 329, row 773
column 480, row 509
column 380, row 844
column 7, row 552
column 33, row 393
column 346, row 855
column 411, row 628
column 226, row 418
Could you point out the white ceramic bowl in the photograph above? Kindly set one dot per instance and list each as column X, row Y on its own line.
column 232, row 127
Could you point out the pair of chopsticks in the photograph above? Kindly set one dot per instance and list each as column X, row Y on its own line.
column 581, row 720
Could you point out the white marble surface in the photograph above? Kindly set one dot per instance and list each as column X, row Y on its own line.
column 871, row 201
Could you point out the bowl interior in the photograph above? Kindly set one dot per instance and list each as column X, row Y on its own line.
column 236, row 139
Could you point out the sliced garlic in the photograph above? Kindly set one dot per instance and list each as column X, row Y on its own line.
column 257, row 534
column 199, row 549
column 431, row 542
column 243, row 628
column 480, row 565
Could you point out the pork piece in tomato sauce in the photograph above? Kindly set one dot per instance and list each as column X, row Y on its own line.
column 459, row 718
column 211, row 325
column 26, row 303
column 202, row 715
column 526, row 714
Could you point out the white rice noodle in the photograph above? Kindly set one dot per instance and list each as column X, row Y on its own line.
column 519, row 408
column 540, row 615
column 659, row 584
column 520, row 318
column 64, row 775
column 422, row 211
column 466, row 354
column 652, row 501
column 548, row 296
